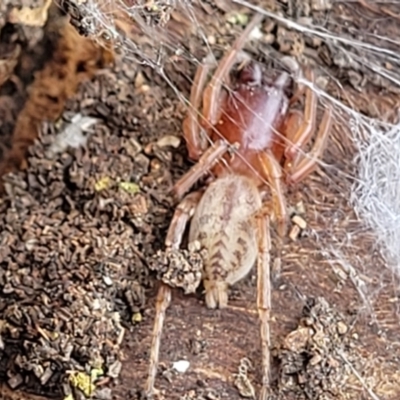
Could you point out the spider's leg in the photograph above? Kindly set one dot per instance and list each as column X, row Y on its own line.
column 272, row 172
column 306, row 130
column 379, row 10
column 292, row 123
column 206, row 161
column 286, row 131
column 264, row 298
column 183, row 213
column 307, row 162
column 191, row 127
column 297, row 72
column 212, row 93
column 162, row 303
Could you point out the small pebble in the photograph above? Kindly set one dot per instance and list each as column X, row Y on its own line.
column 315, row 359
column 294, row 232
column 137, row 317
column 321, row 5
column 322, row 82
column 107, row 280
column 15, row 381
column 181, row 366
column 341, row 328
column 114, row 369
column 256, row 34
column 169, row 140
column 269, row 38
column 211, row 40
column 300, row 222
column 139, row 80
column 300, row 208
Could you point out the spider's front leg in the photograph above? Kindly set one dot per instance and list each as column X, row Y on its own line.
column 307, row 162
column 183, row 213
column 264, row 298
column 212, row 94
column 272, row 172
column 195, row 140
column 299, row 132
column 306, row 130
column 206, row 161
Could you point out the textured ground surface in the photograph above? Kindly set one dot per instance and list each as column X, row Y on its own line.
column 82, row 226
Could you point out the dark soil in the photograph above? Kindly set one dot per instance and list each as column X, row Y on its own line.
column 79, row 228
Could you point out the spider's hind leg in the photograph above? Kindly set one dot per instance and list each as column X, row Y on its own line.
column 264, row 297
column 182, row 215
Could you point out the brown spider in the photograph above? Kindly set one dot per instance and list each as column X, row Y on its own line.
column 228, row 218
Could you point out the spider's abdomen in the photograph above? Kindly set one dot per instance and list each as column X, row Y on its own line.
column 224, row 224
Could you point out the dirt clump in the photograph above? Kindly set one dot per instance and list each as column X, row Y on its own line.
column 314, row 359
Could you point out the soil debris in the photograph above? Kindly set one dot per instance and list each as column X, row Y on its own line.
column 8, row 63
column 28, row 16
column 76, row 228
column 311, row 360
column 72, row 135
column 295, row 232
column 300, row 222
column 74, row 60
column 180, row 268
column 242, row 381
column 80, row 257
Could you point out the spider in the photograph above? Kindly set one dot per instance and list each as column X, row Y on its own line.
column 257, row 145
